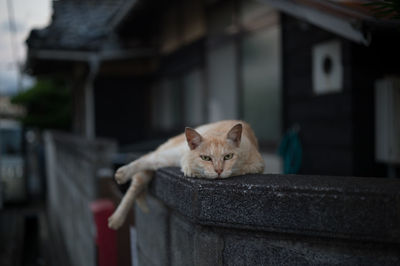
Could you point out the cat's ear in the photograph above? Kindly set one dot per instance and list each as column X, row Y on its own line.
column 235, row 134
column 193, row 138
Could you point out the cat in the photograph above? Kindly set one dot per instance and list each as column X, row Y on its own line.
column 217, row 150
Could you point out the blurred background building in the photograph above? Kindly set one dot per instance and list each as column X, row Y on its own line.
column 139, row 71
column 317, row 80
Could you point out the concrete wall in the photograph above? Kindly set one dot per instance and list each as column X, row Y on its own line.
column 270, row 220
column 72, row 164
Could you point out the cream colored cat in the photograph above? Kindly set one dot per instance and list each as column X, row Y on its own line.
column 217, row 150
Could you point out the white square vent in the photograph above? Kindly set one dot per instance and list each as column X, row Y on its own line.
column 327, row 69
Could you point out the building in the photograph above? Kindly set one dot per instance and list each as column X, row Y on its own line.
column 142, row 70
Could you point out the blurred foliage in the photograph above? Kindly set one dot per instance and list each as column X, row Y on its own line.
column 48, row 105
column 385, row 8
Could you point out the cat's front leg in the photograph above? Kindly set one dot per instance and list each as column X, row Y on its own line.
column 124, row 173
column 151, row 161
column 138, row 184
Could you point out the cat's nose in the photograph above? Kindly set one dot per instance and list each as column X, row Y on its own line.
column 218, row 171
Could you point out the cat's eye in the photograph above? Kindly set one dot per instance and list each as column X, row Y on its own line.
column 228, row 156
column 205, row 157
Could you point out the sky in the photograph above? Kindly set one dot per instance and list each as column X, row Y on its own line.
column 28, row 14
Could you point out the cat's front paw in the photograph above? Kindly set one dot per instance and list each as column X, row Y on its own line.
column 122, row 175
column 115, row 221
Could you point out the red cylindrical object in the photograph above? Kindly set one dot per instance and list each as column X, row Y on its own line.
column 106, row 239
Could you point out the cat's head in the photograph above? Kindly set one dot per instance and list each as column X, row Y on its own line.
column 213, row 156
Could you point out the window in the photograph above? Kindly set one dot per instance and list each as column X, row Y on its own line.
column 167, row 102
column 261, row 65
column 222, row 73
column 194, row 99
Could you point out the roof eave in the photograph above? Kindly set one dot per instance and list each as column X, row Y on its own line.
column 349, row 29
column 85, row 56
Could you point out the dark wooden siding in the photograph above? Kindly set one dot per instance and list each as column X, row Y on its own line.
column 325, row 120
column 379, row 60
column 337, row 130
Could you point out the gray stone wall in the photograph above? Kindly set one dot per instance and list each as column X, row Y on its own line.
column 270, row 220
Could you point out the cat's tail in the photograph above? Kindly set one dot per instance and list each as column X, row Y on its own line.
column 136, row 189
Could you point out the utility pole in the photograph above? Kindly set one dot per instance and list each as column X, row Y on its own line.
column 14, row 47
column 1, row 166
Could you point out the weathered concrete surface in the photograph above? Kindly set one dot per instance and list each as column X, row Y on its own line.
column 153, row 235
column 270, row 220
column 339, row 207
column 72, row 164
column 194, row 245
column 264, row 249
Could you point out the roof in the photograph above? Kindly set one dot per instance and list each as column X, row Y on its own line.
column 352, row 19
column 80, row 25
column 89, row 25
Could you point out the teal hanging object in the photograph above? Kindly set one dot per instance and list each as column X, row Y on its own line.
column 291, row 151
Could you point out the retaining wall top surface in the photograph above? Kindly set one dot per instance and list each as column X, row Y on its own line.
column 344, row 207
